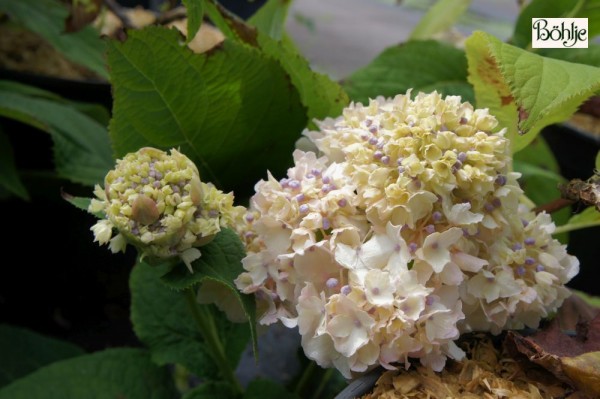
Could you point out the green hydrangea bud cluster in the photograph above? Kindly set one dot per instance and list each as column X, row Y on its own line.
column 157, row 203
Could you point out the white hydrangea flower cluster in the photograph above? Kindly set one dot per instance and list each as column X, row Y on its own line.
column 157, row 202
column 407, row 232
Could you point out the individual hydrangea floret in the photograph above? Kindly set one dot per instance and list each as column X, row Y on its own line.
column 156, row 202
column 401, row 230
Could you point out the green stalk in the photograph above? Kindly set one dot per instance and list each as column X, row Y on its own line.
column 324, row 380
column 305, row 377
column 206, row 324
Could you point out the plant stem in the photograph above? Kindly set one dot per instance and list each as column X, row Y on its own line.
column 305, row 377
column 206, row 324
column 324, row 380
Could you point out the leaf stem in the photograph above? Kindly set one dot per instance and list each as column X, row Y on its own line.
column 206, row 324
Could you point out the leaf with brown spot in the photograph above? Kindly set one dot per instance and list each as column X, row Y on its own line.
column 543, row 90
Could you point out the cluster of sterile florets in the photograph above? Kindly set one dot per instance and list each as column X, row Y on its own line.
column 404, row 233
column 156, row 202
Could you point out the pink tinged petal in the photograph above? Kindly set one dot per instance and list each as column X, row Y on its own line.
column 347, row 256
column 442, row 325
column 434, row 361
column 257, row 266
column 341, row 326
column 435, row 248
column 468, row 263
column 484, row 286
column 451, row 275
column 366, row 356
column 311, row 311
column 376, row 252
column 454, row 352
column 379, row 290
column 410, row 309
column 319, row 348
column 317, row 266
column 277, row 237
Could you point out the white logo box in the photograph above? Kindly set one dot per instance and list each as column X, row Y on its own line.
column 559, row 32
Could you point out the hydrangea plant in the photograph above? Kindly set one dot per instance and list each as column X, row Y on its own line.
column 404, row 232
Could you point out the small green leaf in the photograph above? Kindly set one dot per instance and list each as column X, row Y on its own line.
column 9, row 176
column 589, row 217
column 24, row 351
column 220, row 262
column 597, row 162
column 195, row 14
column 421, row 65
column 266, row 389
column 47, row 18
column 589, row 9
column 440, row 17
column 82, row 150
column 525, row 91
column 270, row 19
column 111, row 374
column 231, row 110
column 211, row 390
column 163, row 321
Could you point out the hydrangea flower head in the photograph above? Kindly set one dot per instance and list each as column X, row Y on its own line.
column 400, row 231
column 157, row 202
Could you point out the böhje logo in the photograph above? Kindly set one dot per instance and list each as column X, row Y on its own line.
column 559, row 32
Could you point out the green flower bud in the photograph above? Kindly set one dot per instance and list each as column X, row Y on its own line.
column 157, row 203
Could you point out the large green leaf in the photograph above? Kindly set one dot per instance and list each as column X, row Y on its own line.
column 163, row 320
column 82, row 150
column 111, row 374
column 421, row 65
column 24, row 351
column 231, row 110
column 525, row 91
column 47, row 18
column 439, row 18
column 321, row 96
column 589, row 9
column 220, row 263
column 9, row 176
column 195, row 14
